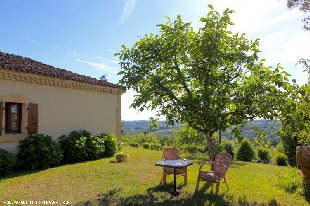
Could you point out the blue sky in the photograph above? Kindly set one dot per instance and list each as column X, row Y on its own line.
column 82, row 36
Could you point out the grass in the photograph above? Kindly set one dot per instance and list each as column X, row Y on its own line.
column 136, row 182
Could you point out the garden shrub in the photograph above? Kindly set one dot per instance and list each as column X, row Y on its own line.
column 263, row 156
column 95, row 147
column 190, row 148
column 39, row 151
column 74, row 146
column 134, row 144
column 281, row 159
column 155, row 146
column 246, row 151
column 110, row 144
column 229, row 149
column 7, row 162
column 218, row 148
column 290, row 182
column 289, row 145
column 146, row 145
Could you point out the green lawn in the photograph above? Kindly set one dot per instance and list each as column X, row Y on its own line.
column 136, row 182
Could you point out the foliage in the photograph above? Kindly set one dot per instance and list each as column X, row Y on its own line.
column 155, row 146
column 295, row 121
column 303, row 5
column 263, row 156
column 229, row 149
column 169, row 140
column 39, row 151
column 246, row 151
column 190, row 148
column 290, row 181
column 82, row 146
column 7, row 162
column 110, row 144
column 281, row 159
column 189, row 136
column 134, row 144
column 209, row 79
column 146, row 145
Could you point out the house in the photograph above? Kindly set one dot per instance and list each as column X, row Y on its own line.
column 39, row 98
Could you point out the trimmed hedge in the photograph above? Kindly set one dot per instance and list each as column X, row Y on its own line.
column 281, row 159
column 39, row 151
column 263, row 156
column 246, row 151
column 82, row 146
column 7, row 162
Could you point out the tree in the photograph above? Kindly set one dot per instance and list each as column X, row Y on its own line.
column 303, row 5
column 209, row 79
column 103, row 77
column 295, row 120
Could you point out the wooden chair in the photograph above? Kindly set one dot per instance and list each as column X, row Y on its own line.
column 173, row 154
column 221, row 163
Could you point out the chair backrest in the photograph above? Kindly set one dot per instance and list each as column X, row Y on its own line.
column 221, row 163
column 171, row 154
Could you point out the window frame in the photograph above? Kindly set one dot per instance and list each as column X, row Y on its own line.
column 8, row 120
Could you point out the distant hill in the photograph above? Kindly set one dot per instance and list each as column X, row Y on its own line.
column 144, row 126
column 270, row 127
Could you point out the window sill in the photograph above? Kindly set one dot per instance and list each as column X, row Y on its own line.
column 12, row 137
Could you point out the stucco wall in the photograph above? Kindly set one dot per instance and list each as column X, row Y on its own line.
column 62, row 110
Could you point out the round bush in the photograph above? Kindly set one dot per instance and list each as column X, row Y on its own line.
column 110, row 143
column 246, row 151
column 74, row 146
column 82, row 146
column 281, row 159
column 134, row 144
column 155, row 146
column 146, row 145
column 263, row 156
column 39, row 151
column 7, row 162
column 229, row 149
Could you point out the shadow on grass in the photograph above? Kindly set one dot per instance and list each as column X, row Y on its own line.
column 19, row 173
column 159, row 196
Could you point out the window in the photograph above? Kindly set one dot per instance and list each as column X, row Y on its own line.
column 13, row 117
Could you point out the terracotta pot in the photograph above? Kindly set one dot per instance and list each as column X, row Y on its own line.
column 303, row 161
column 121, row 159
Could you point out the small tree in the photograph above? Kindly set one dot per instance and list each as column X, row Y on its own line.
column 246, row 151
column 209, row 79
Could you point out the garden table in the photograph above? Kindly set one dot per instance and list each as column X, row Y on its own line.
column 174, row 164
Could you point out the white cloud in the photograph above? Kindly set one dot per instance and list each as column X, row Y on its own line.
column 130, row 113
column 72, row 53
column 100, row 66
column 32, row 40
column 129, row 7
column 108, row 60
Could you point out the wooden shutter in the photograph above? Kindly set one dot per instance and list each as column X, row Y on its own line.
column 33, row 119
column 1, row 116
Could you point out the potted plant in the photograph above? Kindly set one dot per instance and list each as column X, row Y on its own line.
column 121, row 157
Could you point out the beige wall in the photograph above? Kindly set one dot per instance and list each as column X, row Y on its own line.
column 62, row 110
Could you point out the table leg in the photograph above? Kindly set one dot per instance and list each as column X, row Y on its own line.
column 174, row 192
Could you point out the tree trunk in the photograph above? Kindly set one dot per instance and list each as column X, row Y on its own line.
column 211, row 149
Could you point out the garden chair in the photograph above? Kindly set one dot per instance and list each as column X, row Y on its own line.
column 173, row 154
column 221, row 163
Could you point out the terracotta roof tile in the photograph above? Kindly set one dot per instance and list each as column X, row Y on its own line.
column 27, row 65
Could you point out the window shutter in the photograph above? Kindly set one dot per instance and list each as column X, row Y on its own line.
column 33, row 119
column 1, row 116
